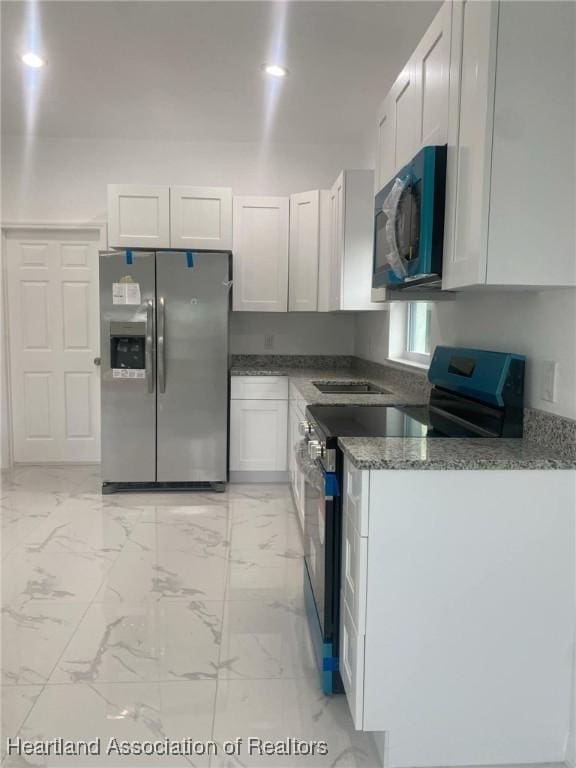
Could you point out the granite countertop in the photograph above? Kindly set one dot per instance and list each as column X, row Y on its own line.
column 402, row 453
column 450, row 453
column 303, row 378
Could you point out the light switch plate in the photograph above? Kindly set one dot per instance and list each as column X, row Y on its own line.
column 549, row 380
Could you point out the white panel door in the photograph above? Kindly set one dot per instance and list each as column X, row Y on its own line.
column 260, row 248
column 258, row 435
column 54, row 338
column 304, row 251
column 201, row 218
column 432, row 70
column 138, row 216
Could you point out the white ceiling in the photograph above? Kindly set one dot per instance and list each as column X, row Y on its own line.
column 191, row 70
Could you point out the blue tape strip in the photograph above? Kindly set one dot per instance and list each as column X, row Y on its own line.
column 331, row 485
column 190, row 258
column 129, row 259
column 330, row 664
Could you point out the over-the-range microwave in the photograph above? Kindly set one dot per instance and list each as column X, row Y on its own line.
column 409, row 223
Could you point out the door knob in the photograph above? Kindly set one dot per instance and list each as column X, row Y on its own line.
column 97, row 361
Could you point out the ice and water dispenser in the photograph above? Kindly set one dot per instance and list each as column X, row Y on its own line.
column 128, row 349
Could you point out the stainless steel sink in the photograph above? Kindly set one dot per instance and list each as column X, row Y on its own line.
column 349, row 388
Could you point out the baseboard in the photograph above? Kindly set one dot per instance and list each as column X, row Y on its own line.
column 258, row 477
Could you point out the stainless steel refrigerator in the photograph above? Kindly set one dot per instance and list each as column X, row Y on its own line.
column 164, row 358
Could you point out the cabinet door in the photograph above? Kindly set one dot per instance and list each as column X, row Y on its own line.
column 260, row 227
column 352, row 665
column 404, row 111
column 138, row 216
column 304, row 250
column 354, row 573
column 471, row 113
column 201, row 218
column 336, row 241
column 385, row 145
column 324, row 253
column 258, row 435
column 432, row 69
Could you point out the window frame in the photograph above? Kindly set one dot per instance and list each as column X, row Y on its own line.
column 399, row 336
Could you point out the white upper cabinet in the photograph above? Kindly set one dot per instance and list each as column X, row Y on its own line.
column 261, row 254
column 431, row 61
column 414, row 113
column 470, row 144
column 385, row 145
column 201, row 218
column 335, row 233
column 350, row 237
column 405, row 115
column 304, row 251
column 138, row 216
column 510, row 189
column 196, row 218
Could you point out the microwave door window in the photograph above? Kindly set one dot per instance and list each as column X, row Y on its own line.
column 382, row 247
column 407, row 225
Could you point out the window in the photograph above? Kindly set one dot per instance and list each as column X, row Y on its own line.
column 410, row 332
column 418, row 331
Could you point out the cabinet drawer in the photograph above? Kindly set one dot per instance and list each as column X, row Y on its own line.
column 259, row 388
column 352, row 666
column 354, row 573
column 356, row 491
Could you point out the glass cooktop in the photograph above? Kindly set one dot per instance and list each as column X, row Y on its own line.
column 373, row 421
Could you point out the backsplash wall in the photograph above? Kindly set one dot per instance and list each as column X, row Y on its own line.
column 295, row 333
column 538, row 324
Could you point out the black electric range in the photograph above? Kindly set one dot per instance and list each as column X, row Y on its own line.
column 475, row 393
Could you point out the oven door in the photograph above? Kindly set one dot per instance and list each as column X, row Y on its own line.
column 321, row 542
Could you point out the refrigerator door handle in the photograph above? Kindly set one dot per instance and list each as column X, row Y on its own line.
column 150, row 345
column 161, row 347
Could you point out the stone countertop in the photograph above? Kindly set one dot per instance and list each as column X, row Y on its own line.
column 302, row 378
column 409, row 452
column 450, row 453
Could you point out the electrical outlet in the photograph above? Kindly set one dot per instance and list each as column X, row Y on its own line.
column 269, row 341
column 549, row 380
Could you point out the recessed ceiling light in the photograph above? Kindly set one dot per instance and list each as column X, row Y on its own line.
column 33, row 60
column 275, row 70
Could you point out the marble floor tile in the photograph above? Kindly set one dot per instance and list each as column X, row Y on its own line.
column 146, row 616
column 34, row 634
column 135, row 712
column 202, row 530
column 277, row 709
column 141, row 575
column 144, row 642
column 16, row 701
column 261, row 574
column 266, row 527
column 59, row 577
column 267, row 639
column 81, row 530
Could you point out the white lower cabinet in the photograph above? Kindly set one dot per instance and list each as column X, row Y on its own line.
column 457, row 610
column 258, row 424
column 295, row 416
column 352, row 664
column 354, row 572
